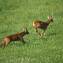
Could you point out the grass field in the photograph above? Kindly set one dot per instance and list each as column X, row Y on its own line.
column 16, row 14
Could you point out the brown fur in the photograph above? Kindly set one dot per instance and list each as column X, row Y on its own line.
column 14, row 37
column 37, row 24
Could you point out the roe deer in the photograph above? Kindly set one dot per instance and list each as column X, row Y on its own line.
column 37, row 24
column 14, row 37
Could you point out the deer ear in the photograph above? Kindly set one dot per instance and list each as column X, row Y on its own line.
column 25, row 29
column 50, row 17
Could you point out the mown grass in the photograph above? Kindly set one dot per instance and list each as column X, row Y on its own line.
column 16, row 14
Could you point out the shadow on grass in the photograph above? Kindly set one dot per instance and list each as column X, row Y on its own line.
column 47, row 36
column 51, row 34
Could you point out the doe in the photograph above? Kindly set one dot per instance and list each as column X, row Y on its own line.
column 14, row 37
column 37, row 24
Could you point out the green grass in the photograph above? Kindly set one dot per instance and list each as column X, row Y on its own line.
column 16, row 14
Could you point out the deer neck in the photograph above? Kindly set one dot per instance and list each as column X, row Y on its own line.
column 48, row 21
column 23, row 33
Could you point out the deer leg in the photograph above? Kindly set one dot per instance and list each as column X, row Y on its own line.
column 44, row 32
column 23, row 41
column 6, row 43
column 21, row 38
column 38, row 32
column 2, row 44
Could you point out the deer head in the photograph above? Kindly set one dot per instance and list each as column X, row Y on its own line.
column 50, row 18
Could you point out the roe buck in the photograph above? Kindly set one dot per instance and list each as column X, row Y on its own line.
column 37, row 24
column 14, row 37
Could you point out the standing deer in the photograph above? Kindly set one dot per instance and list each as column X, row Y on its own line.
column 14, row 37
column 37, row 24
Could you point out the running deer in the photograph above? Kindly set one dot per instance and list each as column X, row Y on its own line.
column 37, row 24
column 14, row 37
